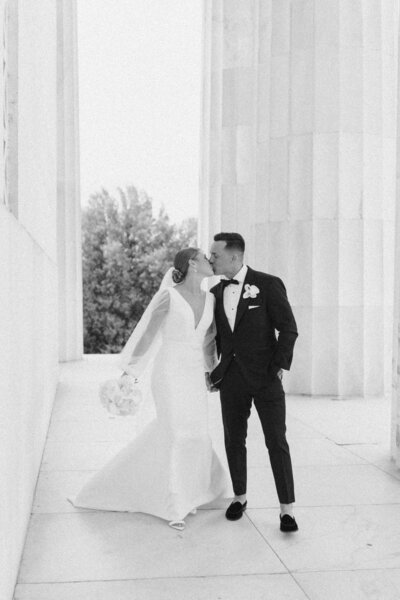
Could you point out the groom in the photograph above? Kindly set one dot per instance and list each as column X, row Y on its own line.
column 250, row 306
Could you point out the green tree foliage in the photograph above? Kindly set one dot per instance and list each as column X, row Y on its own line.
column 126, row 251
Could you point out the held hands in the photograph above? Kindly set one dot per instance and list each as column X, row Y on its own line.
column 209, row 384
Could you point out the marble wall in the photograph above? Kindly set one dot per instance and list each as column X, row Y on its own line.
column 298, row 154
column 39, row 236
column 28, row 379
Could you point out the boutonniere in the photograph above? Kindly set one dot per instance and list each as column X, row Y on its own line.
column 251, row 291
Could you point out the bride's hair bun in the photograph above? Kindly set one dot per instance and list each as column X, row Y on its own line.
column 181, row 263
column 177, row 276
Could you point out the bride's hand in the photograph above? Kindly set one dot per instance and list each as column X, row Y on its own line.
column 208, row 381
column 209, row 384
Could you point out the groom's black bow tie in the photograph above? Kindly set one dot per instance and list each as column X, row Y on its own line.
column 226, row 282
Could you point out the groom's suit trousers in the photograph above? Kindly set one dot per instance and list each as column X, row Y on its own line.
column 236, row 401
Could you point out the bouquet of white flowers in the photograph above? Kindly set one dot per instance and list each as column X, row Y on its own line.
column 121, row 396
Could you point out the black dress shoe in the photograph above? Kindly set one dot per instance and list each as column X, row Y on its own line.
column 235, row 510
column 288, row 523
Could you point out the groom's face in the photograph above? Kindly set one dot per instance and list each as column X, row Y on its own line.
column 221, row 259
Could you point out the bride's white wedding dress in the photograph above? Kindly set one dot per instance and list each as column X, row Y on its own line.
column 171, row 467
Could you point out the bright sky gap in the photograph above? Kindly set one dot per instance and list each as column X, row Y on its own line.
column 140, row 94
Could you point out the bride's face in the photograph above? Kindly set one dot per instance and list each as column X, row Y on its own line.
column 203, row 267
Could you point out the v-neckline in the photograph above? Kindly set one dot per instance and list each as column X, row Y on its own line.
column 191, row 309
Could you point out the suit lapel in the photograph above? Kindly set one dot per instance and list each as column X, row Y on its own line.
column 243, row 302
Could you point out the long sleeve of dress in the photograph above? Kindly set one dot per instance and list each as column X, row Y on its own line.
column 144, row 342
column 210, row 348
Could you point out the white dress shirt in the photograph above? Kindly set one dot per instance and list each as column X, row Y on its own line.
column 232, row 296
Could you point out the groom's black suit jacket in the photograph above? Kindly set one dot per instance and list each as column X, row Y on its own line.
column 253, row 343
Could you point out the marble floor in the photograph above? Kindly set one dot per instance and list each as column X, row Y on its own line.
column 348, row 510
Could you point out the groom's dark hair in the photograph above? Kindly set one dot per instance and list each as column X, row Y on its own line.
column 234, row 241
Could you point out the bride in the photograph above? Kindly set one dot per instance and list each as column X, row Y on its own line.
column 170, row 468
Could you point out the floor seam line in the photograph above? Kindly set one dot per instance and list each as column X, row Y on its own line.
column 267, row 542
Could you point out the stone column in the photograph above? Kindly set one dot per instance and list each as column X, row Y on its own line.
column 396, row 312
column 229, row 117
column 10, row 105
column 68, row 192
column 299, row 156
column 396, row 351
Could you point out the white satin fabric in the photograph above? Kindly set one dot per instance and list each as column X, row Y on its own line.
column 171, row 467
